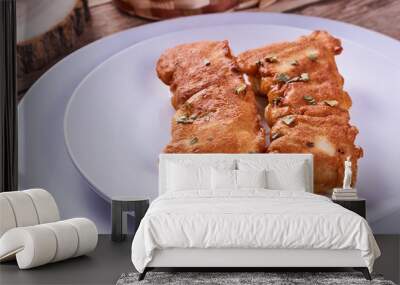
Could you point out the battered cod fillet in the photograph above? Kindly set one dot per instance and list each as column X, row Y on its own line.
column 296, row 74
column 330, row 139
column 216, row 111
column 307, row 107
column 190, row 68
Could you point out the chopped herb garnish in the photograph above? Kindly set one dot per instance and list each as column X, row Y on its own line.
column 282, row 77
column 259, row 63
column 276, row 101
column 185, row 119
column 240, row 89
column 194, row 140
column 310, row 100
column 331, row 103
column 274, row 136
column 207, row 62
column 294, row 62
column 288, row 120
column 294, row 79
column 312, row 56
column 271, row 59
column 304, row 77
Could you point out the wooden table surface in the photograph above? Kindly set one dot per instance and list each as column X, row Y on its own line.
column 380, row 15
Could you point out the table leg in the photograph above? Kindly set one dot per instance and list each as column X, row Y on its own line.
column 140, row 211
column 116, row 220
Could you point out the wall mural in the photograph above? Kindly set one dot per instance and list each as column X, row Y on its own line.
column 108, row 134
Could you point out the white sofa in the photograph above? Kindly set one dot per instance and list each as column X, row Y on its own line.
column 31, row 231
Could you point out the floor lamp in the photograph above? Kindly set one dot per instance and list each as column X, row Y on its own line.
column 8, row 98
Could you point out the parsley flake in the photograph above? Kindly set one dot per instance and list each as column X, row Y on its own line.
column 288, row 119
column 194, row 140
column 312, row 56
column 259, row 63
column 331, row 103
column 282, row 77
column 274, row 136
column 304, row 77
column 186, row 119
column 271, row 59
column 310, row 100
column 240, row 89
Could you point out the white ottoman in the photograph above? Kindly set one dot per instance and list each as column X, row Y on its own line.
column 31, row 232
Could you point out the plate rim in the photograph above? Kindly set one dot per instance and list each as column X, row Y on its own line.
column 75, row 92
column 381, row 42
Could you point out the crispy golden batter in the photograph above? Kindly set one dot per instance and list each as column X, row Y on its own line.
column 190, row 68
column 296, row 74
column 307, row 107
column 216, row 111
column 247, row 60
column 223, row 122
column 272, row 113
column 330, row 139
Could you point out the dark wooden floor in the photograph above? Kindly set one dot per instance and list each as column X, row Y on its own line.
column 110, row 260
column 103, row 266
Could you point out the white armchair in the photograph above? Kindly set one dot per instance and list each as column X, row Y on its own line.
column 31, row 230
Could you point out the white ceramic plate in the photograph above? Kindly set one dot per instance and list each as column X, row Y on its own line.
column 43, row 159
column 118, row 119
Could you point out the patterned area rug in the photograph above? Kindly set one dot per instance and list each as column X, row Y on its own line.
column 244, row 278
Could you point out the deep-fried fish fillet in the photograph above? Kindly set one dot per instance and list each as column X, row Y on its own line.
column 216, row 111
column 330, row 139
column 223, row 122
column 190, row 68
column 296, row 74
column 307, row 106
